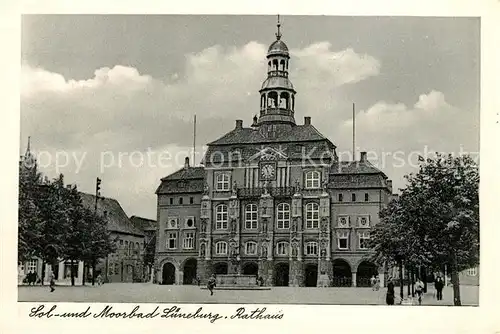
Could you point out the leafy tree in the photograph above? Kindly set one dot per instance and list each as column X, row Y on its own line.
column 28, row 212
column 97, row 240
column 435, row 221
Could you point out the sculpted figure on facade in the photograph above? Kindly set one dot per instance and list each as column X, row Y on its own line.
column 235, row 188
column 264, row 250
column 202, row 249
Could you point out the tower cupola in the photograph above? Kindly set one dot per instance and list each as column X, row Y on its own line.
column 277, row 94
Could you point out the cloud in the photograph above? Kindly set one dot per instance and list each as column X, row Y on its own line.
column 122, row 110
column 396, row 134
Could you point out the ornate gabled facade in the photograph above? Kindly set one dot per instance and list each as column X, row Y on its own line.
column 271, row 200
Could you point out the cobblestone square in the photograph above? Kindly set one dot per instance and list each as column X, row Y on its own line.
column 151, row 293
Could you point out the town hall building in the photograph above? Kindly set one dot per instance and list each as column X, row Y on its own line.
column 272, row 200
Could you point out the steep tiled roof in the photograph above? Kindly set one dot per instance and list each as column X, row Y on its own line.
column 185, row 180
column 246, row 152
column 186, row 173
column 252, row 136
column 354, row 167
column 356, row 174
column 143, row 224
column 110, row 208
column 351, row 181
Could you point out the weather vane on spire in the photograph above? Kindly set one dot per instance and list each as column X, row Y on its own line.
column 278, row 34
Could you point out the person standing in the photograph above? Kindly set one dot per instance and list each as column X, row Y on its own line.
column 419, row 289
column 52, row 282
column 373, row 280
column 99, row 280
column 389, row 298
column 439, row 285
column 211, row 284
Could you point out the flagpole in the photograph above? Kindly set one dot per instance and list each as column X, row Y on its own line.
column 353, row 132
column 194, row 141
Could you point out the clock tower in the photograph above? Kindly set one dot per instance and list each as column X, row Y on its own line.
column 277, row 95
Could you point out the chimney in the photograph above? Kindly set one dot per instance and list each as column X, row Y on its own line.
column 186, row 162
column 307, row 120
column 389, row 185
column 363, row 156
column 239, row 124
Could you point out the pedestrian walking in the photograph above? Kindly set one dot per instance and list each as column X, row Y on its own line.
column 439, row 285
column 419, row 289
column 211, row 284
column 373, row 280
column 52, row 282
column 389, row 297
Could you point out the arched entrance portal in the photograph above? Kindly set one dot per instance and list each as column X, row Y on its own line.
column 365, row 271
column 190, row 272
column 281, row 274
column 251, row 268
column 311, row 275
column 168, row 273
column 220, row 268
column 342, row 275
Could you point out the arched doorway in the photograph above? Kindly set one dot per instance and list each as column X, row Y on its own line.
column 168, row 273
column 342, row 275
column 311, row 275
column 190, row 267
column 251, row 268
column 220, row 268
column 281, row 274
column 365, row 271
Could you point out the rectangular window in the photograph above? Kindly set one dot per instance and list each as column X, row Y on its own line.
column 353, row 197
column 221, row 248
column 172, row 240
column 343, row 240
column 312, row 179
column 222, row 182
column 191, row 200
column 282, row 248
column 251, row 248
column 364, row 238
column 181, row 200
column 189, row 241
column 367, row 197
column 341, row 197
column 251, row 216
column 171, row 201
column 32, row 265
column 312, row 248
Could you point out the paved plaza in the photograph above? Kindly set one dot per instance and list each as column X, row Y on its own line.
column 152, row 293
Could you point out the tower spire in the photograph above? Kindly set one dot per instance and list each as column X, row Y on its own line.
column 278, row 34
column 28, row 148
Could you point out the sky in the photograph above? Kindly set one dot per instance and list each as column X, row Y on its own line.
column 113, row 96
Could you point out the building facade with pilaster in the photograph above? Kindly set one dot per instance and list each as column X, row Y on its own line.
column 271, row 200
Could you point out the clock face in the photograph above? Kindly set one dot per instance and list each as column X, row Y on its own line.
column 268, row 171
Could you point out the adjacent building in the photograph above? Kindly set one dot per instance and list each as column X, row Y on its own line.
column 273, row 200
